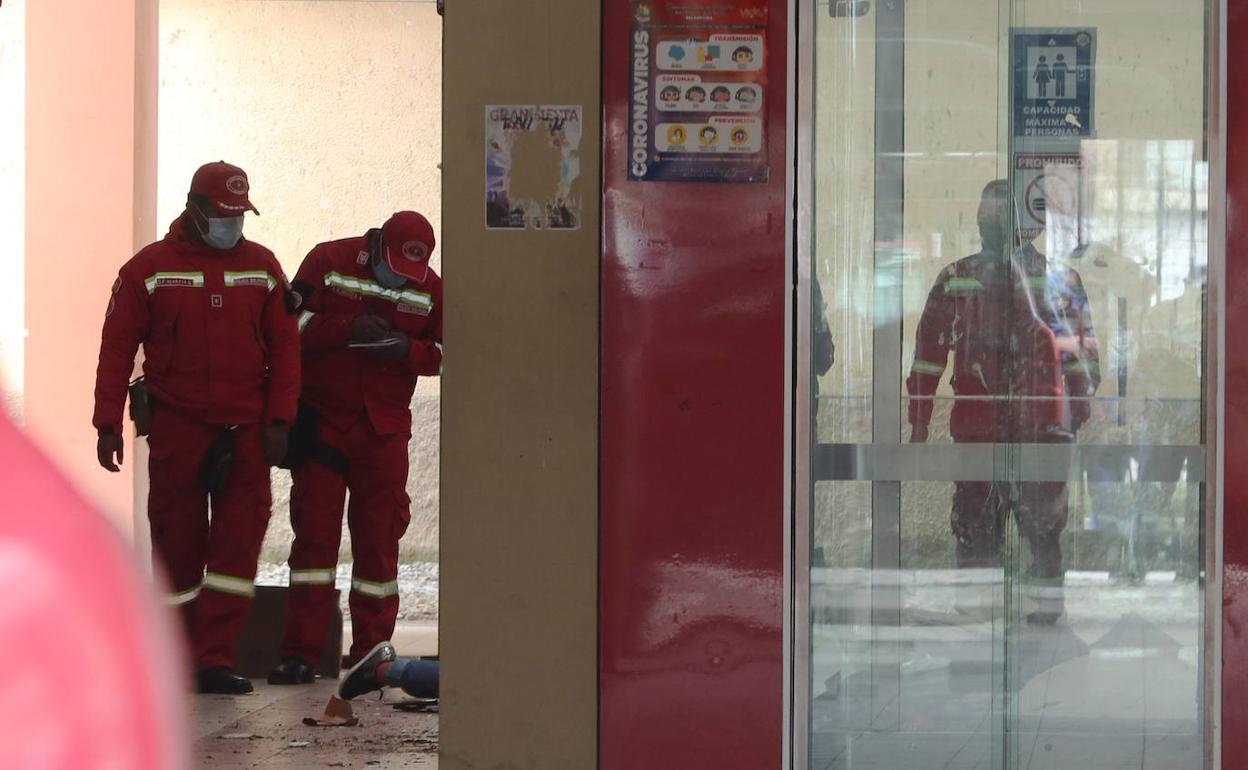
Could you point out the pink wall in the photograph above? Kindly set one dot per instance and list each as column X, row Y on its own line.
column 90, row 195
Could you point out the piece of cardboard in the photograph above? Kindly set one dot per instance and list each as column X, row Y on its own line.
column 262, row 636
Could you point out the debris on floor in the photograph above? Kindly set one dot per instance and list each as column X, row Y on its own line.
column 418, row 706
column 338, row 713
column 385, row 737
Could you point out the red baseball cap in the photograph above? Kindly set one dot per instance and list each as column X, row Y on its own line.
column 225, row 186
column 408, row 241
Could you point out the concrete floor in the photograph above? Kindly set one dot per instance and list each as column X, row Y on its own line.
column 1113, row 685
column 258, row 730
column 265, row 729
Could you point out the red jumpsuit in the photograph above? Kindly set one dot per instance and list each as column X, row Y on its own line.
column 364, row 408
column 220, row 350
column 1024, row 365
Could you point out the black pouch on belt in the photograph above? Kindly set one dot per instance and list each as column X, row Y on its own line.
column 305, row 445
column 303, row 440
column 214, row 471
column 140, row 407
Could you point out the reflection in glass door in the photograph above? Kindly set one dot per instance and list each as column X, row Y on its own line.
column 1002, row 250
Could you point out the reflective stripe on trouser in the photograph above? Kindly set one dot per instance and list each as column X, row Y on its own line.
column 210, row 568
column 313, row 577
column 229, row 584
column 377, row 517
column 180, row 598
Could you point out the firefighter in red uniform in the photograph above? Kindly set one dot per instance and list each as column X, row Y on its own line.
column 221, row 366
column 371, row 324
column 1024, row 369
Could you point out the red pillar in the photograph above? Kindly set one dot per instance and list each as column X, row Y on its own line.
column 692, row 453
column 1234, row 410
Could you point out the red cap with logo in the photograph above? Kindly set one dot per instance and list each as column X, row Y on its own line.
column 408, row 241
column 225, row 186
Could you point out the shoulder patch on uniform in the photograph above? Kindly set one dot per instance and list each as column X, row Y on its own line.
column 362, row 258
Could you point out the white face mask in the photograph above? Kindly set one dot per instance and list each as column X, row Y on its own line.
column 223, row 232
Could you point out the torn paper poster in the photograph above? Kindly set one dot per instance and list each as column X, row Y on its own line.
column 532, row 166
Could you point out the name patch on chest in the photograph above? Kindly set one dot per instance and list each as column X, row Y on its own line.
column 258, row 279
column 174, row 281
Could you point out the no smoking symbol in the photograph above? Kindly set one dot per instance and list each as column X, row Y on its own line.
column 1049, row 192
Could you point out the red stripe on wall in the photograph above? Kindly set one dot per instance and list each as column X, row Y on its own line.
column 692, row 480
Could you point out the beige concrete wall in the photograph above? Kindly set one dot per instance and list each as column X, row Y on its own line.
column 89, row 129
column 12, row 203
column 334, row 110
column 519, row 455
column 1149, row 122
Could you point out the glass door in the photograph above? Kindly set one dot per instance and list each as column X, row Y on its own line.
column 1002, row 246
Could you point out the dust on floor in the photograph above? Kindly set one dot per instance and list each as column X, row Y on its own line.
column 265, row 729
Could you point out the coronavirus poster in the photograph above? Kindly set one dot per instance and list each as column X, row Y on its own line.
column 698, row 91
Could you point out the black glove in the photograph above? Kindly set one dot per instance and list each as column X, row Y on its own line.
column 369, row 328
column 108, row 445
column 397, row 352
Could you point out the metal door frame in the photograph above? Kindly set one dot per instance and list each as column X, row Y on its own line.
column 886, row 461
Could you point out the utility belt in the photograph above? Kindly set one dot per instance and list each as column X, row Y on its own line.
column 305, row 445
column 214, row 469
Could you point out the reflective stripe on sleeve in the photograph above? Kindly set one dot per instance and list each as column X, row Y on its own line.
column 182, row 597
column 229, row 585
column 927, row 367
column 962, row 286
column 312, row 577
column 1090, row 368
column 366, row 288
column 304, row 319
column 375, row 590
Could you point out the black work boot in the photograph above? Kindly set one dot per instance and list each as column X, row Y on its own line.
column 221, row 681
column 362, row 677
column 292, row 671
